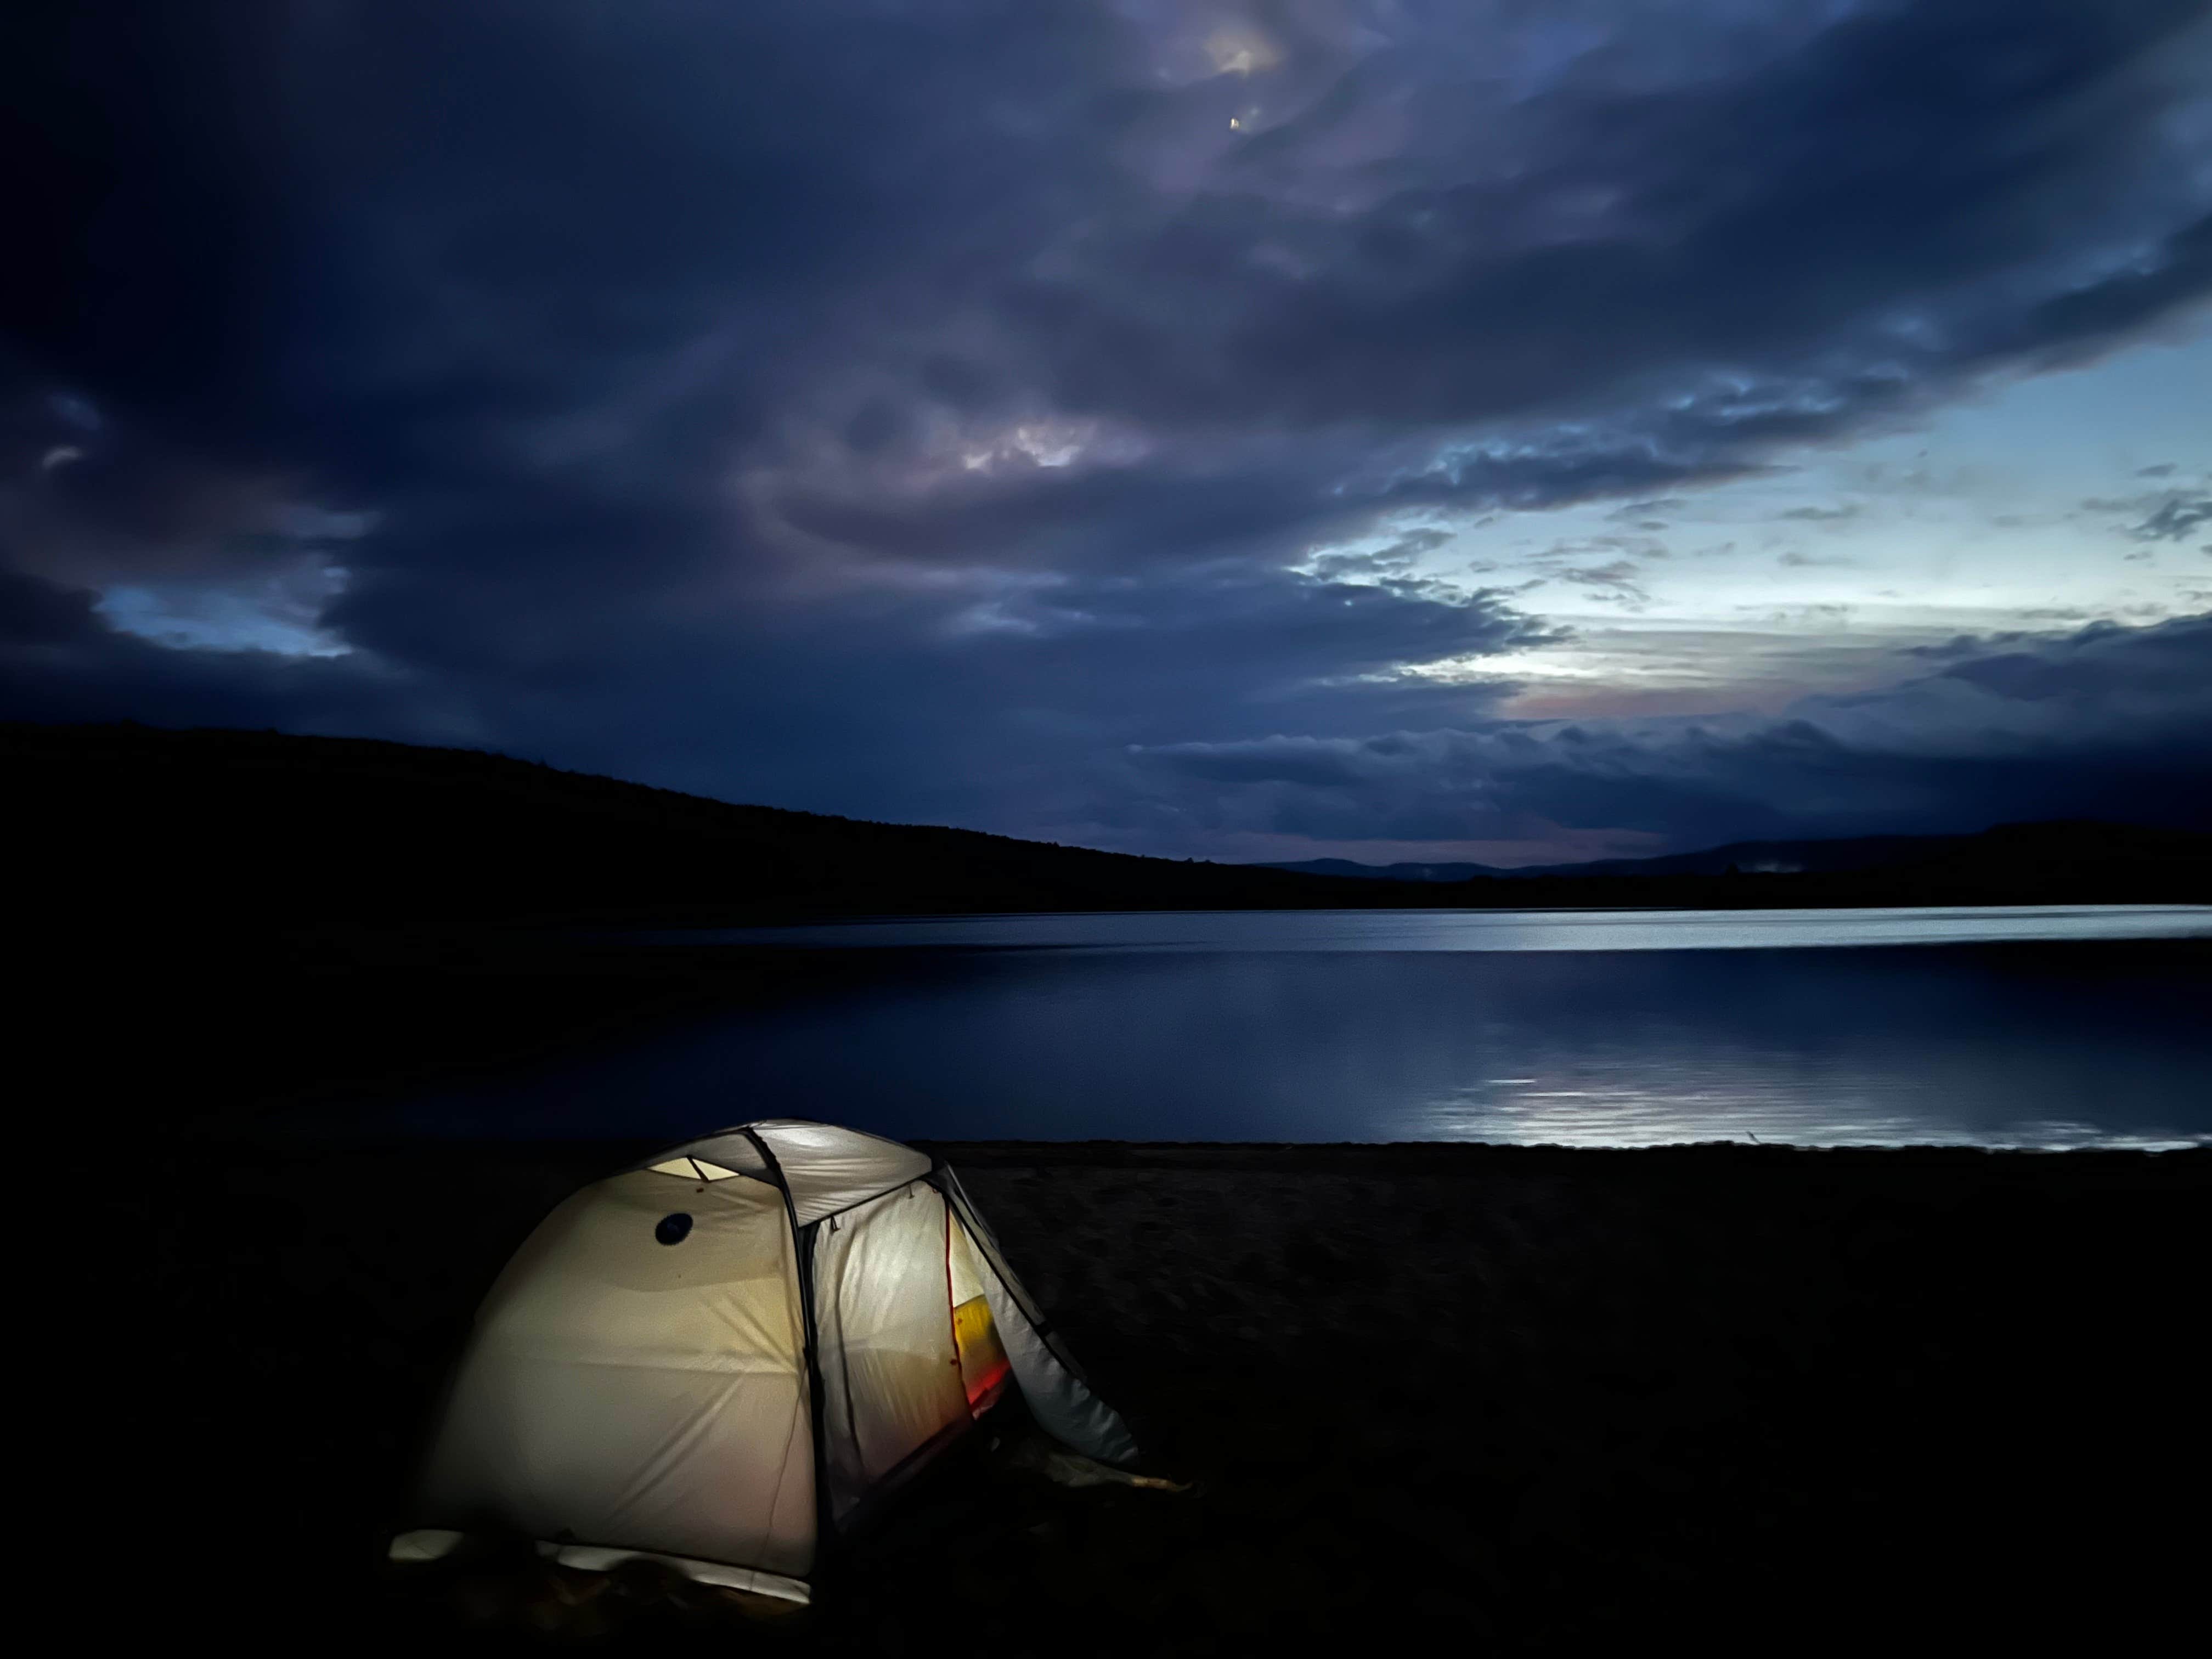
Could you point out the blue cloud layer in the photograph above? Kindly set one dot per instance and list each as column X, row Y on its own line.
column 925, row 411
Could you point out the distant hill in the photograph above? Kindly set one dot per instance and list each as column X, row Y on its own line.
column 233, row 830
column 233, row 826
column 1751, row 857
column 1350, row 870
column 1784, row 858
column 2082, row 861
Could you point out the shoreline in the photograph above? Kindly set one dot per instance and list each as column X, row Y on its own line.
column 1547, row 1396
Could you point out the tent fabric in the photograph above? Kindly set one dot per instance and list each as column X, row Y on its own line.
column 618, row 1391
column 1060, row 1397
column 718, row 1358
column 890, row 1370
column 828, row 1169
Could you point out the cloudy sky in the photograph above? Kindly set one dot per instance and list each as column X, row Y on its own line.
column 1512, row 429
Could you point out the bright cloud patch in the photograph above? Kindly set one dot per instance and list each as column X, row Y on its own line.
column 277, row 612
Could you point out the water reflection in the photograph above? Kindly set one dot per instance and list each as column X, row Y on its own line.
column 1177, row 931
column 2052, row 1045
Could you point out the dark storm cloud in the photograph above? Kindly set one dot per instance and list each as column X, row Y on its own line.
column 2158, row 515
column 2037, row 727
column 907, row 408
column 34, row 612
column 2174, row 518
column 988, row 702
column 1906, row 155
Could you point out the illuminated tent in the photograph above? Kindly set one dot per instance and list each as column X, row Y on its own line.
column 723, row 1359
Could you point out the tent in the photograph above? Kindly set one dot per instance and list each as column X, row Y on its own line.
column 725, row 1356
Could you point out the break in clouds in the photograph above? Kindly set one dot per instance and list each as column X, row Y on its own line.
column 1071, row 420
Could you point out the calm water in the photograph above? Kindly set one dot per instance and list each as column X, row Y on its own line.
column 2042, row 1027
column 1211, row 930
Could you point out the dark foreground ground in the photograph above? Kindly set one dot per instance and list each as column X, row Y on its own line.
column 1522, row 1399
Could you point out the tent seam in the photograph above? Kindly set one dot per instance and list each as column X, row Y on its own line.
column 803, row 1265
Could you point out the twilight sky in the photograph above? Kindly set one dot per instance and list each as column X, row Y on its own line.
column 1508, row 430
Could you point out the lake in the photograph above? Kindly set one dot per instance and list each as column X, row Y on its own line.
column 2059, row 1026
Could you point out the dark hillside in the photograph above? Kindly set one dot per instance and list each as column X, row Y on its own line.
column 1428, row 872
column 2059, row 863
column 1772, row 858
column 258, row 832
column 2082, row 861
column 252, row 824
column 230, row 920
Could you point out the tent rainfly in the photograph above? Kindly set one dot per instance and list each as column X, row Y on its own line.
column 722, row 1358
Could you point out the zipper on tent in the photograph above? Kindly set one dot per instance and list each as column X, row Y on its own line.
column 951, row 1312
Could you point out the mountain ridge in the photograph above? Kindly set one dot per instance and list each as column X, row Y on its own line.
column 243, row 829
column 1801, row 856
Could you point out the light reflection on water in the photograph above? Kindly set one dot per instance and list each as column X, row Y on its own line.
column 1179, row 931
column 1651, row 1112
column 2012, row 1044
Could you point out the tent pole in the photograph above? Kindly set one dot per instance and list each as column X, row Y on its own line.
column 802, row 1242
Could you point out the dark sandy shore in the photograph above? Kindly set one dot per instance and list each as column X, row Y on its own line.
column 1521, row 1398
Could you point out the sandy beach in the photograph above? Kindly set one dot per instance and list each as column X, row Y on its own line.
column 1529, row 1398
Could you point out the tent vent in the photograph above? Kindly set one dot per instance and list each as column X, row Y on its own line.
column 693, row 1168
